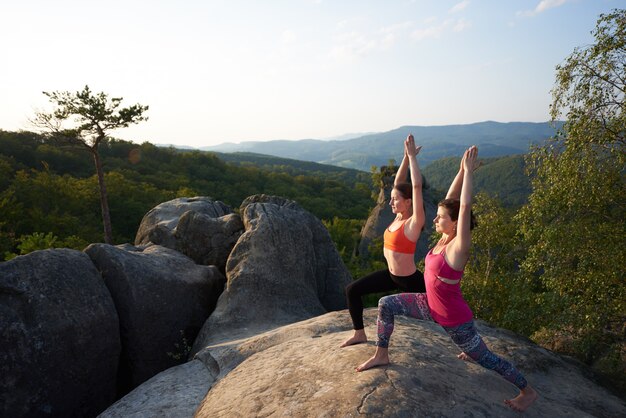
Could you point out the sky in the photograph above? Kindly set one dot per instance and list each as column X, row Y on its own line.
column 217, row 71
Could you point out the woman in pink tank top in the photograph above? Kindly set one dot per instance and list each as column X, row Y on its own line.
column 443, row 301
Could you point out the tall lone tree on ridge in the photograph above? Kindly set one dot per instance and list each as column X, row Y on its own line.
column 85, row 119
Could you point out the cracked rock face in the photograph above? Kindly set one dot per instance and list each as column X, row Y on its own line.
column 283, row 269
column 202, row 229
column 299, row 370
column 162, row 299
column 59, row 336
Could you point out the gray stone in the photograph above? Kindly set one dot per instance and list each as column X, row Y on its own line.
column 283, row 269
column 208, row 240
column 173, row 393
column 159, row 224
column 299, row 370
column 59, row 337
column 162, row 299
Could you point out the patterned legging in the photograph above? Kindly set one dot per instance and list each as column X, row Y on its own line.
column 465, row 336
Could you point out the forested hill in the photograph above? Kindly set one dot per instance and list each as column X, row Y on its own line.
column 45, row 188
column 293, row 167
column 493, row 138
column 500, row 177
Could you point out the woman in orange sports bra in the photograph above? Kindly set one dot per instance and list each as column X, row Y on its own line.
column 400, row 239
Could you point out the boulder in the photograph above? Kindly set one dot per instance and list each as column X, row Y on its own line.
column 299, row 370
column 159, row 224
column 162, row 298
column 173, row 393
column 59, row 337
column 202, row 229
column 208, row 240
column 283, row 269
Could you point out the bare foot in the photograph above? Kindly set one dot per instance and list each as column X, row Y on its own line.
column 465, row 357
column 522, row 401
column 380, row 358
column 359, row 337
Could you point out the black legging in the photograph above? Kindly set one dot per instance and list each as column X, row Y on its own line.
column 380, row 281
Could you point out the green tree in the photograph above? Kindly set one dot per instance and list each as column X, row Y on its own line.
column 85, row 119
column 346, row 234
column 574, row 223
column 492, row 284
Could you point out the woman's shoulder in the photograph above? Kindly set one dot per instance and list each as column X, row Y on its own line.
column 412, row 228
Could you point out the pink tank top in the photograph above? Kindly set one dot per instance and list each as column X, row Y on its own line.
column 446, row 303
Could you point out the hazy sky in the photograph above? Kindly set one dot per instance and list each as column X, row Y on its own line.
column 219, row 71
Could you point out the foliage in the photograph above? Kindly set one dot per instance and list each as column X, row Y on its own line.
column 33, row 242
column 52, row 189
column 181, row 349
column 501, row 177
column 492, row 284
column 346, row 234
column 85, row 119
column 41, row 241
column 291, row 167
column 573, row 226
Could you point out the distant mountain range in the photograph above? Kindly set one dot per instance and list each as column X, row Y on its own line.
column 494, row 139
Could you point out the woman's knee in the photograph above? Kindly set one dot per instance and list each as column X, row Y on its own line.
column 350, row 289
column 385, row 302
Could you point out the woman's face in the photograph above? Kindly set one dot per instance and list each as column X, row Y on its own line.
column 443, row 223
column 398, row 203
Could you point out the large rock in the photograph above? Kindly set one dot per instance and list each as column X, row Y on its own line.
column 208, row 240
column 159, row 224
column 162, row 299
column 381, row 217
column 202, row 229
column 173, row 393
column 59, row 337
column 300, row 371
column 284, row 268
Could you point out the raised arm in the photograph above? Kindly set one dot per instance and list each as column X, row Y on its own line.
column 454, row 192
column 403, row 170
column 459, row 253
column 410, row 152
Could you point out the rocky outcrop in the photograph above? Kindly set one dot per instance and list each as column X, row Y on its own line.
column 381, row 216
column 208, row 240
column 59, row 337
column 284, row 268
column 174, row 393
column 202, row 229
column 162, row 299
column 69, row 352
column 299, row 370
column 159, row 224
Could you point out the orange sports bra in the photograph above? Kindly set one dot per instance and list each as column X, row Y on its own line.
column 397, row 241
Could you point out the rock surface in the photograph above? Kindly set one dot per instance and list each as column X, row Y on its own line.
column 162, row 298
column 299, row 370
column 208, row 240
column 59, row 336
column 174, row 393
column 158, row 226
column 283, row 269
